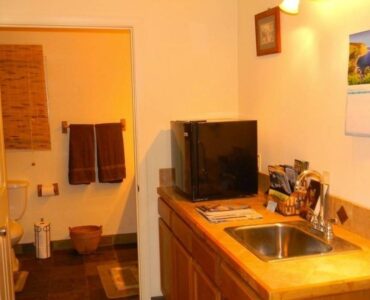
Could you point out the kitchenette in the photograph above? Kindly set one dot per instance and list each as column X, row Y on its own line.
column 200, row 260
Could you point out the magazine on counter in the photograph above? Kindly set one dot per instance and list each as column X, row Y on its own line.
column 300, row 166
column 222, row 213
column 279, row 180
column 217, row 209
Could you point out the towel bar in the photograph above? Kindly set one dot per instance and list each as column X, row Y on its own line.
column 65, row 125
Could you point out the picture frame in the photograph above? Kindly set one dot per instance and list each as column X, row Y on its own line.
column 268, row 39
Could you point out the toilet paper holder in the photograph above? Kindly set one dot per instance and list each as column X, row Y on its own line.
column 47, row 190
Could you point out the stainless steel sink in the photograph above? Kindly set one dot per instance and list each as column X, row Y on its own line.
column 286, row 240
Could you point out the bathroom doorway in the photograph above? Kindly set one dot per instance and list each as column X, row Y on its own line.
column 88, row 76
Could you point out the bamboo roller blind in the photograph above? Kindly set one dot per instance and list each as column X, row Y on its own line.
column 23, row 95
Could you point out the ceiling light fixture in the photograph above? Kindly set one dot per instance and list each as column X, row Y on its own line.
column 290, row 6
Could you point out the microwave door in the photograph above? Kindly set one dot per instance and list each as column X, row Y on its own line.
column 226, row 168
column 207, row 170
column 202, row 172
column 202, row 164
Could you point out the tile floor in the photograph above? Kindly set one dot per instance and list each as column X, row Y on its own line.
column 69, row 276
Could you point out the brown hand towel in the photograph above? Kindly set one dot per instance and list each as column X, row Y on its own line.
column 81, row 154
column 110, row 152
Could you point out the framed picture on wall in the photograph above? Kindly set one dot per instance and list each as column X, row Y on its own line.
column 268, row 31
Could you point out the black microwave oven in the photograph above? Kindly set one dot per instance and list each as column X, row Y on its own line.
column 214, row 159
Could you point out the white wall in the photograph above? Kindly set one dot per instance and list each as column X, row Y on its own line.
column 299, row 96
column 88, row 77
column 185, row 60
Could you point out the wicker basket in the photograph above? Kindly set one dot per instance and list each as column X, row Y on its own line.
column 85, row 239
column 292, row 205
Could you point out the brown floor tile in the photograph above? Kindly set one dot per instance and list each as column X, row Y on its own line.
column 31, row 296
column 70, row 295
column 94, row 282
column 133, row 298
column 68, row 275
column 103, row 254
column 98, row 294
column 126, row 253
column 60, row 285
column 67, row 257
column 34, row 264
column 91, row 268
column 37, row 282
column 73, row 271
column 96, row 289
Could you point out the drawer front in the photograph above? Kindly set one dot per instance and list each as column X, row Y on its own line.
column 182, row 232
column 205, row 257
column 164, row 211
column 233, row 287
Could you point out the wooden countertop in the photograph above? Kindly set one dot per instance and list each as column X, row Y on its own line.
column 306, row 277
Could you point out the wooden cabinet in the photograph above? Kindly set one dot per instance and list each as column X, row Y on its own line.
column 190, row 268
column 198, row 263
column 175, row 260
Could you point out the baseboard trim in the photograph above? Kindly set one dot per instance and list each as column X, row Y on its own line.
column 106, row 240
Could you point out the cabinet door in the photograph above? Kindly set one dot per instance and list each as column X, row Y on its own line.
column 233, row 287
column 203, row 287
column 182, row 282
column 165, row 250
column 205, row 257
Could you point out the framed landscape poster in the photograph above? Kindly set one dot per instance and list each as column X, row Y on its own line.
column 268, row 31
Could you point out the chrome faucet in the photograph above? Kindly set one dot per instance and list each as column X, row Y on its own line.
column 319, row 222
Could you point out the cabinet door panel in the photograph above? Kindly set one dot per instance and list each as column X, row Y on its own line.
column 205, row 257
column 182, row 270
column 165, row 242
column 182, row 231
column 233, row 287
column 204, row 289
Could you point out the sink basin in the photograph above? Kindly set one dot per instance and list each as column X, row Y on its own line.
column 286, row 240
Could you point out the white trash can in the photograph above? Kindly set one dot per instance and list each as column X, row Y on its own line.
column 42, row 239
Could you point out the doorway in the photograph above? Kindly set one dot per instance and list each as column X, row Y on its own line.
column 88, row 74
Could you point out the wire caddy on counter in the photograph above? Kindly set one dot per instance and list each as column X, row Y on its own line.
column 291, row 200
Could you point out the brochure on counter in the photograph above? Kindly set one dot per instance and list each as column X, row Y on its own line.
column 223, row 213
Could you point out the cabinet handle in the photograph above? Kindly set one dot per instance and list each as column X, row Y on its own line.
column 3, row 231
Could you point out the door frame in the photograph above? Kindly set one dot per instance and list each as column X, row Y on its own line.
column 6, row 270
column 143, row 255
